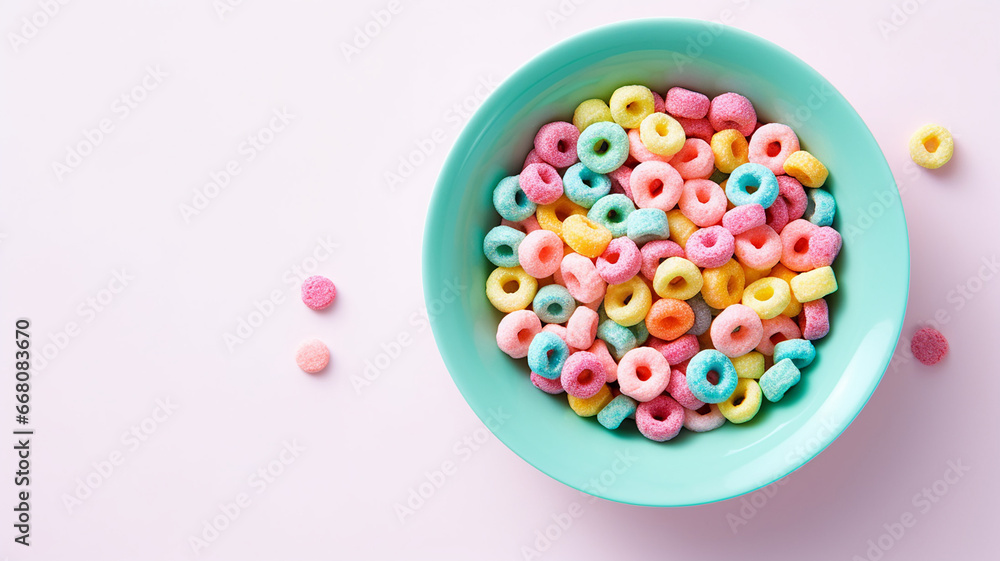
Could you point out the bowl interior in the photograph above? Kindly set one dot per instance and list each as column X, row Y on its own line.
column 866, row 313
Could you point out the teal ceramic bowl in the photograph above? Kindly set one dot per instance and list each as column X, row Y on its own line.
column 867, row 312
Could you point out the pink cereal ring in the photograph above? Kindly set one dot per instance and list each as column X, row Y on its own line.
column 532, row 158
column 643, row 373
column 581, row 329
column 677, row 351
column 620, row 261
column 546, row 385
column 686, row 103
column 776, row 330
column 824, row 246
column 638, row 150
column 621, row 181
column 659, row 104
column 929, row 346
column 736, row 331
column 581, row 277
column 695, row 160
column 743, row 218
column 600, row 350
column 759, row 248
column 560, row 332
column 794, row 195
column 705, row 418
column 541, row 183
column 795, row 240
column 318, row 292
column 703, row 202
column 679, row 390
column 540, row 253
column 555, row 143
column 697, row 128
column 526, row 226
column 660, row 419
column 732, row 111
column 709, row 247
column 656, row 185
column 777, row 215
column 515, row 332
column 583, row 375
column 814, row 320
column 656, row 252
column 771, row 145
column 312, row 356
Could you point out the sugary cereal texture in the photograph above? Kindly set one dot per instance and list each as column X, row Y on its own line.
column 732, row 111
column 590, row 406
column 705, row 418
column 929, row 346
column 660, row 419
column 318, row 292
column 612, row 211
column 590, row 112
column 312, row 356
column 586, row 237
column 662, row 134
column 771, row 145
column 744, row 403
column 547, row 354
column 553, row 387
column 515, row 332
column 583, row 186
column 619, row 409
column 643, row 373
column 500, row 247
column 779, row 379
column 510, row 201
column 628, row 303
column 583, row 375
column 553, row 304
column 800, row 351
column 730, row 149
column 814, row 284
column 555, row 143
column 541, row 183
column 630, row 105
column 510, row 289
column 931, row 146
column 705, row 364
column 686, row 103
column 647, row 224
column 806, row 168
column 603, row 147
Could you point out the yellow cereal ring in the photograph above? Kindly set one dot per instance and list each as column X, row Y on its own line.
column 750, row 365
column 677, row 278
column 813, row 285
column 806, row 168
column 661, row 134
column 551, row 216
column 786, row 274
column 630, row 105
column 628, row 303
column 754, row 275
column 931, row 146
column 510, row 289
column 586, row 237
column 768, row 297
column 744, row 403
column 723, row 286
column 592, row 405
column 590, row 112
column 680, row 227
column 730, row 149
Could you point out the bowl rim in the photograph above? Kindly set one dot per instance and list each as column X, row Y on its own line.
column 539, row 64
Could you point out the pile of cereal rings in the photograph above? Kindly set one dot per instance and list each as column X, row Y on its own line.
column 664, row 259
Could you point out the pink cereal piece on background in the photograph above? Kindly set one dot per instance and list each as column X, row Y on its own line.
column 660, row 419
column 777, row 215
column 695, row 160
column 743, row 218
column 705, row 418
column 581, row 329
column 795, row 240
column 736, row 331
column 710, row 247
column 515, row 332
column 621, row 181
column 659, row 105
column 318, row 292
column 541, row 183
column 555, row 143
column 643, row 373
column 526, row 226
column 776, row 330
column 759, row 248
column 620, row 261
column 814, row 320
column 679, row 390
column 583, row 375
column 732, row 111
column 677, row 351
column 656, row 185
column 771, row 145
column 553, row 387
column 540, row 253
column 685, row 103
column 656, row 252
column 600, row 350
column 824, row 246
column 532, row 158
column 929, row 346
column 581, row 278
column 697, row 128
column 638, row 150
column 703, row 202
column 312, row 356
column 794, row 195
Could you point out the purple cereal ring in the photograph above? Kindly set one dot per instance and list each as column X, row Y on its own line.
column 656, row 252
column 678, row 351
column 709, row 247
column 583, row 375
column 546, row 385
column 697, row 128
column 824, row 246
column 581, row 277
column 814, row 320
column 620, row 261
column 794, row 195
column 686, row 103
column 541, row 183
column 638, row 150
column 744, row 217
column 705, row 418
column 621, row 180
column 515, row 332
column 771, row 145
column 703, row 202
column 656, row 185
column 758, row 248
column 776, row 330
column 660, row 419
column 532, row 158
column 643, row 373
column 795, row 240
column 600, row 350
column 679, row 390
column 659, row 105
column 555, row 143
column 540, row 253
column 732, row 111
column 695, row 160
column 736, row 331
column 777, row 215
column 581, row 329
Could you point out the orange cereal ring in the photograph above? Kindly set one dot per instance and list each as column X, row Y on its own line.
column 669, row 318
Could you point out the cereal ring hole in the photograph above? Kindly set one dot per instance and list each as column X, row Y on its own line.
column 505, row 250
column 643, row 373
column 703, row 196
column 561, row 214
column 546, row 253
column 585, row 377
column 627, row 299
column 524, row 336
column 764, row 293
column 614, row 216
column 656, row 188
column 661, row 128
column 519, row 198
column 511, row 286
column 561, row 146
column 751, row 189
column 801, row 245
column 703, row 410
column 932, row 143
column 678, row 282
column 712, row 377
column 612, row 258
column 555, row 309
column 709, row 239
column 777, row 338
column 601, row 147
column 738, row 400
column 758, row 239
column 731, row 285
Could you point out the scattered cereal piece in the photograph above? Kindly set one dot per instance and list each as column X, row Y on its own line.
column 931, row 146
column 929, row 346
column 312, row 356
column 318, row 292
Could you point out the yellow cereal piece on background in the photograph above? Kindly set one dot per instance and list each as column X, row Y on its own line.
column 744, row 403
column 768, row 297
column 590, row 112
column 931, row 146
column 510, row 289
column 731, row 150
column 639, row 300
column 677, row 278
column 592, row 405
column 630, row 105
column 750, row 365
column 806, row 168
column 661, row 134
column 815, row 284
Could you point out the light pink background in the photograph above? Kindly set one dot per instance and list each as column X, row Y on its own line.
column 161, row 337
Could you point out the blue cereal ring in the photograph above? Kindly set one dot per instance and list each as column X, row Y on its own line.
column 647, row 224
column 640, row 332
column 547, row 354
column 752, row 176
column 800, row 351
column 702, row 315
column 698, row 369
column 500, row 246
column 584, row 186
column 510, row 201
column 612, row 212
column 617, row 411
column 619, row 338
column 820, row 207
column 603, row 147
column 553, row 304
column 778, row 379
